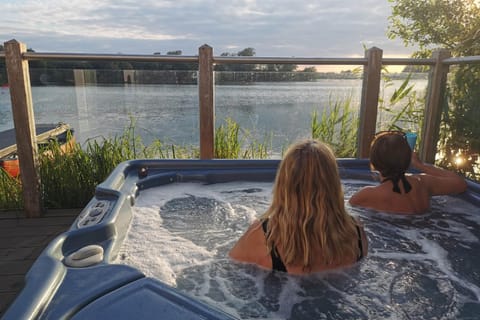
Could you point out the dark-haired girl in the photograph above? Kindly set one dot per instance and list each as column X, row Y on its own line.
column 398, row 192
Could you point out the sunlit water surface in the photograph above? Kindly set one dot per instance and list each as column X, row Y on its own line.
column 418, row 267
column 274, row 112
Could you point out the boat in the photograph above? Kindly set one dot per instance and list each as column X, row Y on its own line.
column 61, row 132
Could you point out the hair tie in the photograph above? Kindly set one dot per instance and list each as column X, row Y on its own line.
column 406, row 185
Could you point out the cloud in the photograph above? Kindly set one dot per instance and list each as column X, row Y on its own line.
column 274, row 28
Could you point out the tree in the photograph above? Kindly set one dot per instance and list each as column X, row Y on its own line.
column 247, row 52
column 309, row 69
column 454, row 25
column 280, row 67
column 451, row 24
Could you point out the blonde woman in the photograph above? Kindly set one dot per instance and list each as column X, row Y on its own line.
column 306, row 228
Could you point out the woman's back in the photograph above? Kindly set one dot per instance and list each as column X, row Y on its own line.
column 391, row 156
column 382, row 198
column 251, row 248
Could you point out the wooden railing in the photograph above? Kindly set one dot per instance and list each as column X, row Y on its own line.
column 17, row 57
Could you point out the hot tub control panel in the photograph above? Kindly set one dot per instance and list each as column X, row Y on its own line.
column 94, row 214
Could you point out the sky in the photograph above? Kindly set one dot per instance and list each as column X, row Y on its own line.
column 294, row 28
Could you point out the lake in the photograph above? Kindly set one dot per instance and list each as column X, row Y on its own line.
column 280, row 110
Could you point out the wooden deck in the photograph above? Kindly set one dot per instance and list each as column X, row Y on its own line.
column 21, row 242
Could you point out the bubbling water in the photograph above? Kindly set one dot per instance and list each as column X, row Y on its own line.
column 418, row 267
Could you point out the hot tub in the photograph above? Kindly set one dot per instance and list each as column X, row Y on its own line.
column 79, row 276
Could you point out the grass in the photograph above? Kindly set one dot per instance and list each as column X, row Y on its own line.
column 233, row 142
column 338, row 127
column 68, row 180
column 10, row 191
column 403, row 110
column 227, row 140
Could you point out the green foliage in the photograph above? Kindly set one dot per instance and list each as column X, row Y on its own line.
column 460, row 134
column 248, row 68
column 161, row 150
column 338, row 124
column 68, row 179
column 448, row 23
column 227, row 141
column 403, row 110
column 10, row 191
column 465, row 118
column 230, row 139
column 257, row 149
column 454, row 25
column 247, row 52
column 338, row 127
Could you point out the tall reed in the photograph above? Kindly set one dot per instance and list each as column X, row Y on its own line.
column 10, row 191
column 69, row 179
column 403, row 110
column 233, row 142
column 227, row 140
column 337, row 125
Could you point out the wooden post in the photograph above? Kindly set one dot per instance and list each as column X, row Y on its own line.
column 24, row 122
column 433, row 110
column 369, row 102
column 206, row 94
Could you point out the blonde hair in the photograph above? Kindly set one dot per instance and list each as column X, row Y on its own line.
column 308, row 209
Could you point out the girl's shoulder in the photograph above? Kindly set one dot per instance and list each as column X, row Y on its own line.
column 363, row 195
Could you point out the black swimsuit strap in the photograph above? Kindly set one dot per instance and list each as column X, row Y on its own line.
column 277, row 263
column 360, row 244
column 406, row 185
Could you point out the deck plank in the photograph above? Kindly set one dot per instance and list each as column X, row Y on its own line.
column 21, row 242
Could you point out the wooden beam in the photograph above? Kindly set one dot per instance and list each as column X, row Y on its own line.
column 24, row 122
column 433, row 109
column 369, row 101
column 206, row 92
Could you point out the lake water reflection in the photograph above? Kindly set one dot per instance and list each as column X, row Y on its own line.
column 170, row 112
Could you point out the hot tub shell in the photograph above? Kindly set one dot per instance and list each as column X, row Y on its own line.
column 56, row 290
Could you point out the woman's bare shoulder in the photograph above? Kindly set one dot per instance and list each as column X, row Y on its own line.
column 243, row 247
column 362, row 195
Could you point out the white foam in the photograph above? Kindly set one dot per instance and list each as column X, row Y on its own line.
column 190, row 252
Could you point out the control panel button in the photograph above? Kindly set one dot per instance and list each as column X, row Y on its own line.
column 94, row 214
